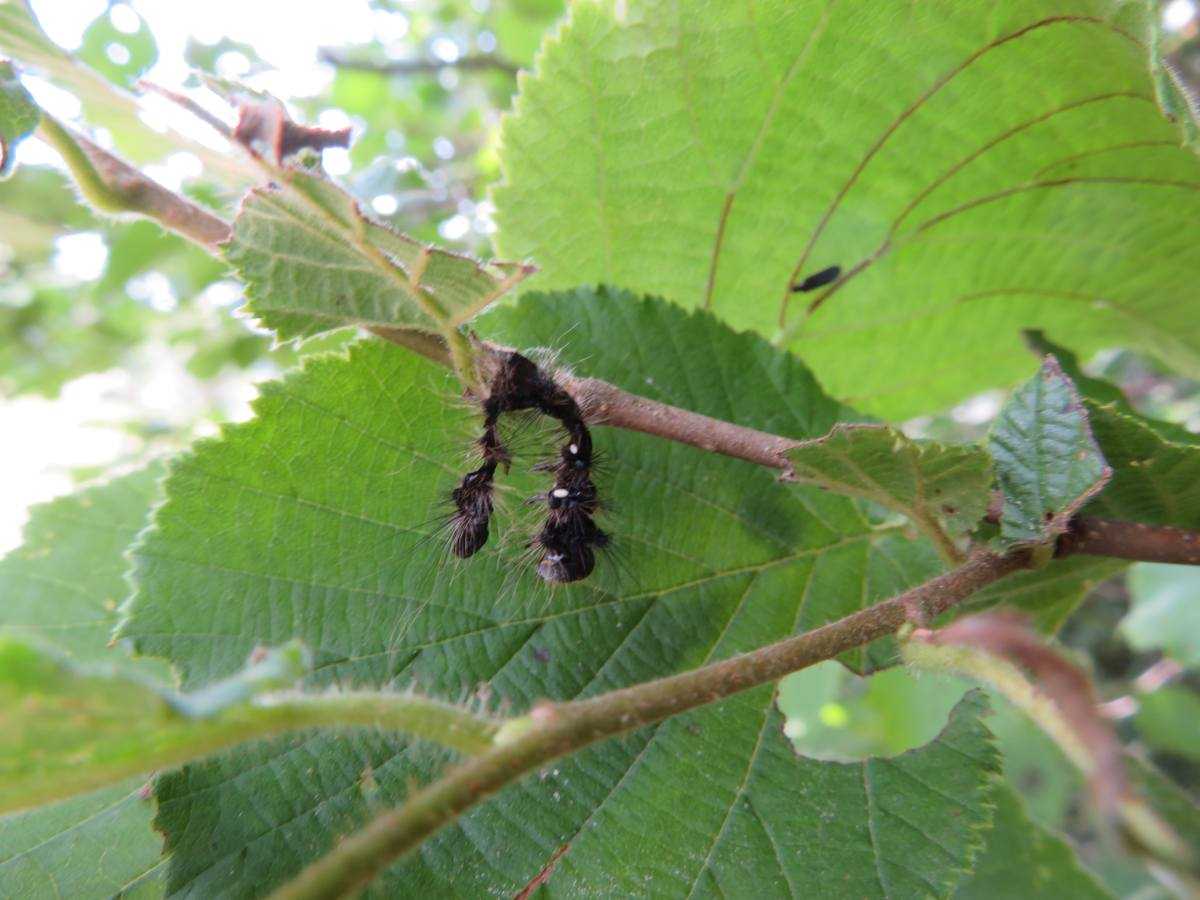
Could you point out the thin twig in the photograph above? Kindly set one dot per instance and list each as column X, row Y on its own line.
column 112, row 185
column 219, row 125
column 555, row 730
column 479, row 63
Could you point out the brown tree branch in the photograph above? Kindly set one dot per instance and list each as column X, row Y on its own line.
column 1089, row 536
column 606, row 404
column 554, row 730
column 212, row 121
column 114, row 186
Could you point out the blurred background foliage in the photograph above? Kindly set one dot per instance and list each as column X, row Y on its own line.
column 135, row 323
column 113, row 326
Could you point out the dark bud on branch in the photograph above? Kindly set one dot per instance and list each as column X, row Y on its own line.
column 264, row 127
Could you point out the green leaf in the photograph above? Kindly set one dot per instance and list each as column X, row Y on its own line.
column 1047, row 462
column 64, row 731
column 317, row 519
column 1164, row 615
column 63, row 586
column 903, row 826
column 1050, row 594
column 1155, row 481
column 59, row 591
column 19, row 115
column 312, row 262
column 936, row 485
column 717, row 154
column 97, row 845
column 1025, row 860
column 1155, row 464
column 118, row 55
column 1169, row 719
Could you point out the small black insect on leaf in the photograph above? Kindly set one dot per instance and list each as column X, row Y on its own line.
column 818, row 279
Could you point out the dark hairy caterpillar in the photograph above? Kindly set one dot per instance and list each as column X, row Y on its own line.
column 568, row 538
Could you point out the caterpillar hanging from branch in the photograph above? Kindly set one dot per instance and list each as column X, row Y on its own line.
column 569, row 536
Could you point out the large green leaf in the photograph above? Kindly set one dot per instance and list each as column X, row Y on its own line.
column 61, row 589
column 96, row 845
column 1025, row 860
column 1047, row 461
column 370, row 446
column 19, row 115
column 312, row 261
column 314, row 520
column 971, row 172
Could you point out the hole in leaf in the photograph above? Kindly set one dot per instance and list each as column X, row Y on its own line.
column 833, row 714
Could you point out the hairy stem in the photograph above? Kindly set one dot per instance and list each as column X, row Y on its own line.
column 998, row 649
column 255, row 702
column 180, row 741
column 113, row 186
column 554, row 730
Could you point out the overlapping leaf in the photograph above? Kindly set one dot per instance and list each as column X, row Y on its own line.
column 935, row 485
column 315, row 520
column 1047, row 461
column 97, row 845
column 63, row 732
column 1026, row 860
column 311, row 261
column 61, row 589
column 971, row 174
column 1155, row 464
